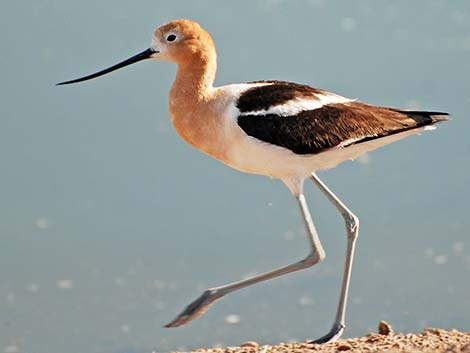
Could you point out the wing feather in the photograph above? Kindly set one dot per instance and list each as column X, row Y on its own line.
column 329, row 125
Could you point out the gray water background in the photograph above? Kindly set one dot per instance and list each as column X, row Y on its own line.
column 110, row 224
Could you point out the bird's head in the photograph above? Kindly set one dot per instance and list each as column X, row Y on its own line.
column 179, row 41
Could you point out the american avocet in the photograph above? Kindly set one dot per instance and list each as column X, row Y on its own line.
column 279, row 129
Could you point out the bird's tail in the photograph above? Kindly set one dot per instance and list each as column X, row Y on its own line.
column 430, row 117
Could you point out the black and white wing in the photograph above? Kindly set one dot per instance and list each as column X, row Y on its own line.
column 307, row 120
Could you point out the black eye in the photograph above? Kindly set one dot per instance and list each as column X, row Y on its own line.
column 171, row 38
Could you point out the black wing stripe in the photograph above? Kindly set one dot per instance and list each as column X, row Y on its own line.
column 275, row 93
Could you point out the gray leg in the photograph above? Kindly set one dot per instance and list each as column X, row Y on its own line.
column 352, row 232
column 201, row 304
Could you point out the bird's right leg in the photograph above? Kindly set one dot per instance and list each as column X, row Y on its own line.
column 352, row 232
column 201, row 304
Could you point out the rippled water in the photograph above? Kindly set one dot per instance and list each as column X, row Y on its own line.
column 110, row 224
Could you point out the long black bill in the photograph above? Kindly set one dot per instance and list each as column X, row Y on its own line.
column 136, row 58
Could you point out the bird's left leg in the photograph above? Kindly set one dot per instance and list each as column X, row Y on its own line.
column 317, row 254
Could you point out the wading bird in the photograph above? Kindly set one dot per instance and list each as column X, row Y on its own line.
column 280, row 129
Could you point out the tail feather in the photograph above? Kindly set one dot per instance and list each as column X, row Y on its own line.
column 434, row 117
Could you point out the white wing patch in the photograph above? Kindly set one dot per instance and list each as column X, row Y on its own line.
column 290, row 108
column 234, row 91
column 297, row 105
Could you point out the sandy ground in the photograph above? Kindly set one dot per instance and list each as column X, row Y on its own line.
column 386, row 340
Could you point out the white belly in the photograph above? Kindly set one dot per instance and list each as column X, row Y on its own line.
column 251, row 155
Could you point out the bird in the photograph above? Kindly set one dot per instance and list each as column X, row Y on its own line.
column 279, row 129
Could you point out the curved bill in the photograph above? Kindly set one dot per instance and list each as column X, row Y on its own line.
column 136, row 58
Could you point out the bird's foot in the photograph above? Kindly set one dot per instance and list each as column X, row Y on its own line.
column 196, row 308
column 334, row 334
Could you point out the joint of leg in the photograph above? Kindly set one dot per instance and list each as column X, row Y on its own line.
column 312, row 259
column 352, row 225
column 339, row 326
column 211, row 292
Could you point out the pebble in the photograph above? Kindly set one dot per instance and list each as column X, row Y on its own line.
column 385, row 328
column 344, row 347
column 249, row 344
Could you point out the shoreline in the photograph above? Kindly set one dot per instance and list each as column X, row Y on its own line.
column 431, row 340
